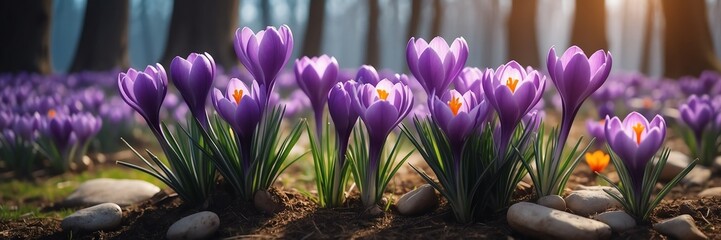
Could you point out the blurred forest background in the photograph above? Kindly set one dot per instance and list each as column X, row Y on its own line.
column 668, row 38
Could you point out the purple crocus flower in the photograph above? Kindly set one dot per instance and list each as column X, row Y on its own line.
column 697, row 113
column 25, row 126
column 367, row 74
column 458, row 115
column 512, row 92
column 596, row 130
column 635, row 141
column 469, row 80
column 85, row 126
column 435, row 65
column 576, row 77
column 193, row 77
column 144, row 92
column 381, row 107
column 60, row 129
column 264, row 53
column 316, row 76
column 241, row 108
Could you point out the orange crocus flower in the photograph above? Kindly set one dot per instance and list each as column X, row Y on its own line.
column 597, row 160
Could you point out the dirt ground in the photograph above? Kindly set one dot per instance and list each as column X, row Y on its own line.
column 301, row 219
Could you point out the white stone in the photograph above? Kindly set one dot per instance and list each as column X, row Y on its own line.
column 717, row 164
column 552, row 201
column 599, row 188
column 418, row 201
column 619, row 221
column 698, row 176
column 587, row 202
column 676, row 162
column 681, row 227
column 99, row 217
column 123, row 192
column 546, row 223
column 197, row 226
column 710, row 192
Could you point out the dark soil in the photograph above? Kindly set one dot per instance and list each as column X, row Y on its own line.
column 301, row 219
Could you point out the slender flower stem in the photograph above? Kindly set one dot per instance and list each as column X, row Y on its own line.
column 318, row 113
column 374, row 156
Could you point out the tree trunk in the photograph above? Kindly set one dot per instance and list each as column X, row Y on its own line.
column 688, row 48
column 522, row 42
column 203, row 26
column 647, row 34
column 372, row 44
column 103, row 42
column 25, row 26
column 415, row 19
column 314, row 29
column 437, row 19
column 589, row 26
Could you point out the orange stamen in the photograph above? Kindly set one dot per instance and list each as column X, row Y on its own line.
column 597, row 160
column 511, row 83
column 638, row 128
column 237, row 94
column 455, row 104
column 52, row 113
column 382, row 94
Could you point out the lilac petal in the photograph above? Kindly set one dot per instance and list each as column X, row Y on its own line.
column 381, row 118
column 570, row 52
column 576, row 78
column 429, row 65
column 273, row 57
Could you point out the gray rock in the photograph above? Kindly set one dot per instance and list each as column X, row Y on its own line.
column 99, row 217
column 419, row 201
column 265, row 202
column 710, row 192
column 619, row 221
column 123, row 192
column 552, row 201
column 545, row 223
column 197, row 226
column 676, row 162
column 587, row 202
column 698, row 176
column 681, row 227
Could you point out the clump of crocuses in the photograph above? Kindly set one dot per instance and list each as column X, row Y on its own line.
column 189, row 174
column 702, row 136
column 633, row 142
column 246, row 145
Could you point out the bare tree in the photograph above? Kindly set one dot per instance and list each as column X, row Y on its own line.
column 314, row 29
column 522, row 42
column 25, row 26
column 372, row 42
column 103, row 42
column 589, row 25
column 688, row 48
column 203, row 26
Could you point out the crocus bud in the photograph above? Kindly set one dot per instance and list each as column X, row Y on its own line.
column 145, row 92
column 264, row 53
column 193, row 77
